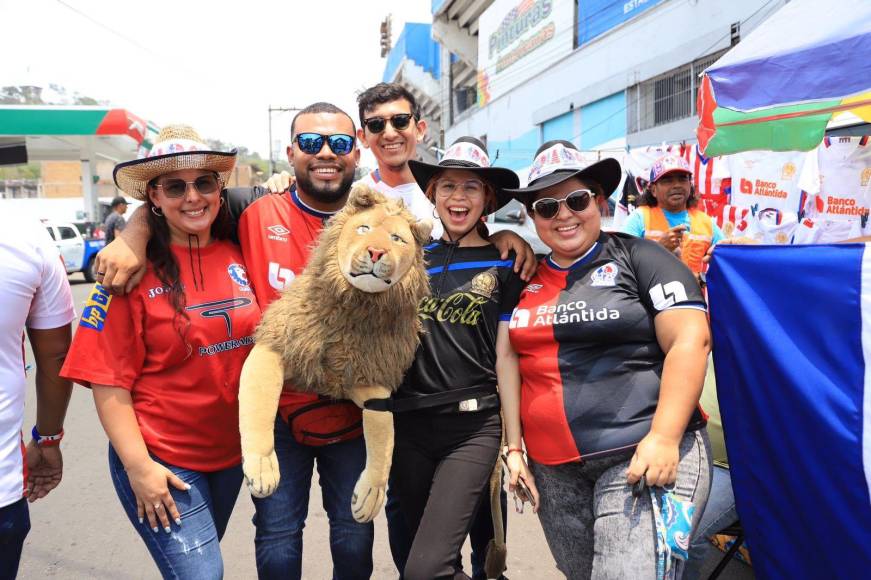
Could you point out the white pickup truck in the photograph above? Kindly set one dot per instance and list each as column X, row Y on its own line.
column 77, row 252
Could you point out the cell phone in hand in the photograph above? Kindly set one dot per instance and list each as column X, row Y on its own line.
column 521, row 491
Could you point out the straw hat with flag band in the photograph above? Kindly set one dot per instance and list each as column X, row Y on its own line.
column 176, row 147
column 557, row 161
column 469, row 154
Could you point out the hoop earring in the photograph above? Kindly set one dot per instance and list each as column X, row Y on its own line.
column 156, row 211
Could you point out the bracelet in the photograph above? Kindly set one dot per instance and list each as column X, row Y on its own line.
column 515, row 450
column 46, row 440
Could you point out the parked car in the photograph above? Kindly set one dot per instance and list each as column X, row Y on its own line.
column 78, row 252
column 513, row 217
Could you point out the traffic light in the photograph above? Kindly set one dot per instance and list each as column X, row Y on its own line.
column 385, row 37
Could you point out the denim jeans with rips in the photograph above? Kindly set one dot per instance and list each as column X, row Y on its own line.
column 193, row 549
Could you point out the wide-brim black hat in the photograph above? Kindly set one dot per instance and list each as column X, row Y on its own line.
column 561, row 161
column 469, row 154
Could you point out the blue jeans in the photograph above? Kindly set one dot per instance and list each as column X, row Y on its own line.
column 14, row 525
column 191, row 550
column 280, row 518
column 719, row 513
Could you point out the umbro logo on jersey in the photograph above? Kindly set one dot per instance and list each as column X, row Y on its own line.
column 534, row 288
column 277, row 232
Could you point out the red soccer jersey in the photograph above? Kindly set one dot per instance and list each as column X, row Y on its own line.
column 183, row 377
column 277, row 233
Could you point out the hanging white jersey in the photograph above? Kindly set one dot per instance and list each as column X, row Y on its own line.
column 815, row 231
column 842, row 180
column 767, row 179
column 770, row 226
column 638, row 161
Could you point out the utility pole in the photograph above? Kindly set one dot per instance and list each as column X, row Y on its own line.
column 274, row 110
column 386, row 40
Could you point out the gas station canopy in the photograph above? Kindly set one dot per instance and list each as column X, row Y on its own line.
column 38, row 133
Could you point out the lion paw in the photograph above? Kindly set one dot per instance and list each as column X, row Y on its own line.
column 261, row 473
column 368, row 498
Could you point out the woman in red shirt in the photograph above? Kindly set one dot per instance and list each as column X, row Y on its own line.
column 164, row 361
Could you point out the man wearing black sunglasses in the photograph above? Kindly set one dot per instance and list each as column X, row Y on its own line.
column 391, row 127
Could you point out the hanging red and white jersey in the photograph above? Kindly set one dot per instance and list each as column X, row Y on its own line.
column 770, row 226
column 767, row 179
column 841, row 180
column 732, row 220
column 709, row 173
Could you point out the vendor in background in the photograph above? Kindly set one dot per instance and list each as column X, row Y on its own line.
column 667, row 214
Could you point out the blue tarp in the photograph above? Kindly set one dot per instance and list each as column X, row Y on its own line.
column 789, row 326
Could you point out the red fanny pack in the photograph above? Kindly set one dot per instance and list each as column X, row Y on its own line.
column 324, row 421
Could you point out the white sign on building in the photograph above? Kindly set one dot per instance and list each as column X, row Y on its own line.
column 517, row 39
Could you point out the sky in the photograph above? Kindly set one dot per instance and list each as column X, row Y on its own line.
column 217, row 66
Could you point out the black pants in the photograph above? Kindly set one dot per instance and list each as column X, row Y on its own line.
column 441, row 465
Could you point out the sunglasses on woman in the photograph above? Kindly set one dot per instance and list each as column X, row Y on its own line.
column 548, row 207
column 204, row 184
column 312, row 143
column 378, row 124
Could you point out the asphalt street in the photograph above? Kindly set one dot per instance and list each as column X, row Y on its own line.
column 80, row 530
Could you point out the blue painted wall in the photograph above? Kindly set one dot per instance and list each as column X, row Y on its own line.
column 515, row 153
column 562, row 127
column 603, row 120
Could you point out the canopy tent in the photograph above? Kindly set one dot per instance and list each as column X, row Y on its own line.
column 37, row 133
column 780, row 87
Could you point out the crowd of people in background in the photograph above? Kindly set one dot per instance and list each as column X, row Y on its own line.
column 582, row 375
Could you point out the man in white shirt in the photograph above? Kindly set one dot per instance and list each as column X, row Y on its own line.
column 391, row 127
column 37, row 297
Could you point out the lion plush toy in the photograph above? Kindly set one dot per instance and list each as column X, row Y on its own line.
column 346, row 328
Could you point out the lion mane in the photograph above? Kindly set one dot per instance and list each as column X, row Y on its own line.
column 332, row 336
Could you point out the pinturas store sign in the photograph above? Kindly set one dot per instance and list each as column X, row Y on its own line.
column 517, row 39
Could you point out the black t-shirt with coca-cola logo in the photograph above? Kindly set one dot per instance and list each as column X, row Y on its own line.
column 590, row 362
column 473, row 289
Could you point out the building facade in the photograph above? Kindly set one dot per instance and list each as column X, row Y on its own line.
column 604, row 74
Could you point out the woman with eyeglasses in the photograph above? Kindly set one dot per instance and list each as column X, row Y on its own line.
column 163, row 362
column 612, row 341
column 446, row 412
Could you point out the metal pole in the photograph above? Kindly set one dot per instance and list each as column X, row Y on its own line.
column 271, row 110
column 271, row 166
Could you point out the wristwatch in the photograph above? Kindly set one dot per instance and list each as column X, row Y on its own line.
column 46, row 440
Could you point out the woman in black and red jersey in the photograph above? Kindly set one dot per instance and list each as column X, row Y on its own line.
column 164, row 361
column 446, row 412
column 612, row 340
